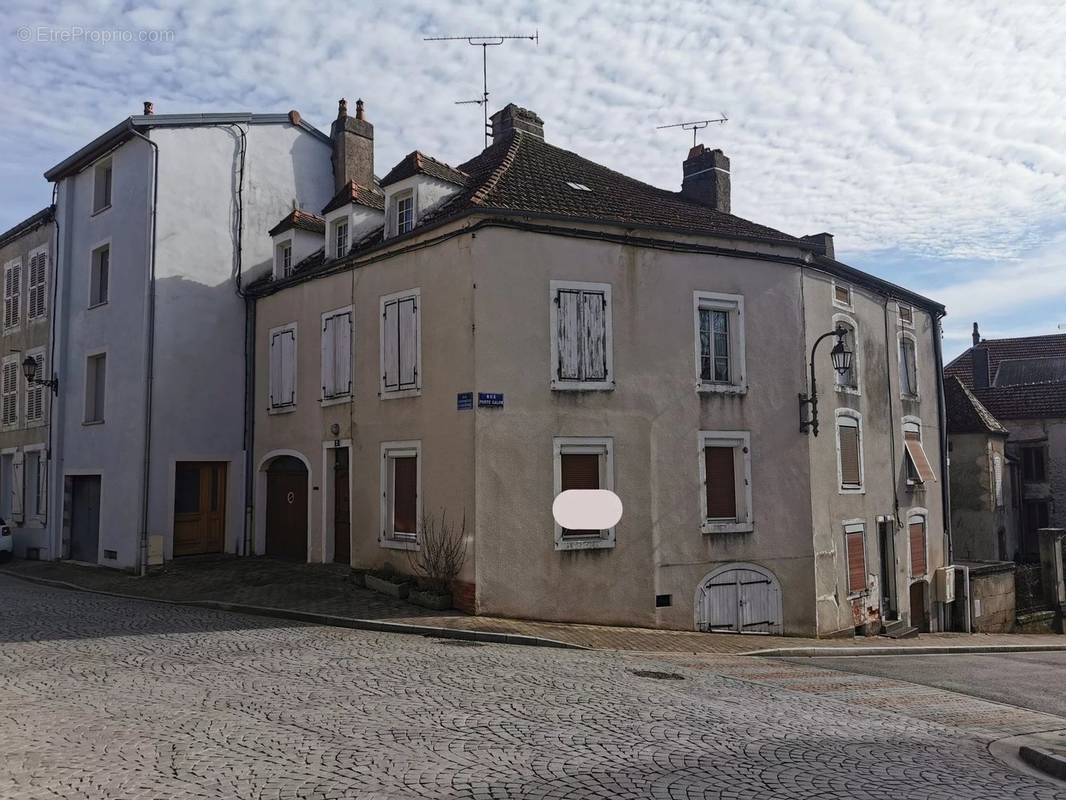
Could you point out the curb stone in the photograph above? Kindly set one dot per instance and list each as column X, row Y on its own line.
column 329, row 620
column 845, row 652
column 1044, row 760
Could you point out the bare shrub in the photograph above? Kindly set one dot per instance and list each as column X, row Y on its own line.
column 441, row 552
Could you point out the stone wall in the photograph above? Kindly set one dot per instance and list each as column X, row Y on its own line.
column 992, row 593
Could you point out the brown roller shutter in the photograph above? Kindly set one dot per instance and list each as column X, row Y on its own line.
column 721, row 483
column 856, row 551
column 579, row 471
column 405, row 494
column 850, row 475
column 916, row 453
column 918, row 565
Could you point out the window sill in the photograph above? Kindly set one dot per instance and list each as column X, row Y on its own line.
column 910, row 398
column 398, row 393
column 92, row 422
column 727, row 527
column 858, row 595
column 39, row 319
column 851, row 490
column 98, row 211
column 721, row 388
column 852, row 390
column 582, row 386
column 97, row 305
column 335, row 401
column 844, row 306
column 37, row 423
column 584, row 542
column 281, row 409
column 399, row 544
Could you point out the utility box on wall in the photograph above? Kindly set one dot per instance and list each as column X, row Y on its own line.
column 944, row 585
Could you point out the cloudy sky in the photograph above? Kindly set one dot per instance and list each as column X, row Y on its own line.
column 928, row 137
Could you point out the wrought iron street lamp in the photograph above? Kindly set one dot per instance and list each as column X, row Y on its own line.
column 841, row 358
column 29, row 369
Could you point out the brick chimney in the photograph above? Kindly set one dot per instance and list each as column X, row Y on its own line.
column 353, row 147
column 976, row 335
column 823, row 242
column 149, row 108
column 513, row 118
column 706, row 178
column 980, row 367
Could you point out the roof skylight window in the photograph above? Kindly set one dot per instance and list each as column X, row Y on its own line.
column 578, row 186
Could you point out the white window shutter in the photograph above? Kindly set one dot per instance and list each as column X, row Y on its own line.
column 42, row 483
column 18, row 482
column 329, row 371
column 594, row 338
column 569, row 335
column 288, row 367
column 342, row 353
column 10, row 393
column 275, row 370
column 408, row 343
column 391, row 336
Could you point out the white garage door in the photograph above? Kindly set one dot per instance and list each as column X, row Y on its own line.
column 739, row 599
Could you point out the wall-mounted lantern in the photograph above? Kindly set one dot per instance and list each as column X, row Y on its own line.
column 841, row 358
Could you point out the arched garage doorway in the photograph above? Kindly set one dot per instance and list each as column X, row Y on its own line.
column 286, row 508
column 739, row 598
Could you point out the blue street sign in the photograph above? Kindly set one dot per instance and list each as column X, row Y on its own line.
column 490, row 400
column 464, row 401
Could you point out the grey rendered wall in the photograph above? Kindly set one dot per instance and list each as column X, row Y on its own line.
column 975, row 519
column 653, row 414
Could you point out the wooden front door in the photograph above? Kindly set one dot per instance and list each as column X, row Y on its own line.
column 342, row 522
column 286, row 509
column 199, row 507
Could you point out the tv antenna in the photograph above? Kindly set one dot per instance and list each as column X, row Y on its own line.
column 697, row 125
column 484, row 42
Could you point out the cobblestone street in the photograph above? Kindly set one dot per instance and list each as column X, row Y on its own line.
column 112, row 698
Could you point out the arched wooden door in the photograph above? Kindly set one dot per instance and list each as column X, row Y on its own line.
column 286, row 509
column 739, row 598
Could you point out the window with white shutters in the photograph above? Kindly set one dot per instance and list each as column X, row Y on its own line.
column 38, row 284
column 283, row 368
column 12, row 293
column 40, row 508
column 18, row 484
column 719, row 342
column 9, row 391
column 581, row 336
column 35, row 392
column 337, row 354
column 401, row 344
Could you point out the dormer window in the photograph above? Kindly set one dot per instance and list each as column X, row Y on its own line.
column 405, row 214
column 340, row 238
column 284, row 259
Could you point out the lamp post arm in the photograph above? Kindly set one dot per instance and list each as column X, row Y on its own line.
column 812, row 398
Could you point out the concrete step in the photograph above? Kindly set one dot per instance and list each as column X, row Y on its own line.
column 900, row 630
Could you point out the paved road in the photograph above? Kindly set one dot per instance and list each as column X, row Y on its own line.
column 110, row 698
column 1028, row 680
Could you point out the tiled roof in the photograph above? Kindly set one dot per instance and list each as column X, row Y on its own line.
column 42, row 217
column 419, row 163
column 353, row 192
column 1044, row 397
column 301, row 220
column 965, row 413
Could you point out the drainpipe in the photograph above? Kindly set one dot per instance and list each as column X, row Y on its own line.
column 150, row 352
column 945, row 493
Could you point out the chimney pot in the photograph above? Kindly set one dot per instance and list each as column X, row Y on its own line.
column 342, row 108
column 513, row 118
column 359, row 108
column 353, row 147
column 706, row 178
column 294, row 117
column 149, row 108
column 976, row 335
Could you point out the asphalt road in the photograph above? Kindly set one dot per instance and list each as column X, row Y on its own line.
column 1035, row 681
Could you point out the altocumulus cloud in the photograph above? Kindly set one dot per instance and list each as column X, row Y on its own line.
column 928, row 129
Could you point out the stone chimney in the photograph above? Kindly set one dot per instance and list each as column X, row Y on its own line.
column 979, row 367
column 149, row 108
column 706, row 178
column 353, row 147
column 976, row 335
column 513, row 118
column 823, row 242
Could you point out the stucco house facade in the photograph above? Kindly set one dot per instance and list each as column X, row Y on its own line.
column 162, row 220
column 26, row 254
column 475, row 339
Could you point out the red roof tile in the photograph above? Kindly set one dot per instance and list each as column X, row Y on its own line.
column 353, row 192
column 301, row 220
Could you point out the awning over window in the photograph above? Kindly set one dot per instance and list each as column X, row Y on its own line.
column 919, row 460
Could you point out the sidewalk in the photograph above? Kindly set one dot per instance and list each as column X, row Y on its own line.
column 303, row 591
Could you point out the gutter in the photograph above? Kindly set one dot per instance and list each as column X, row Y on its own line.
column 149, row 353
column 941, row 416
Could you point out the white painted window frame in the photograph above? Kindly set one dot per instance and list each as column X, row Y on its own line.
column 856, row 526
column 42, row 374
column 602, row 446
column 334, row 227
column 851, row 414
column 848, row 306
column 91, row 354
column 397, row 200
column 35, row 253
column 856, row 357
column 913, row 515
column 13, row 264
column 558, row 384
column 387, row 394
column 279, row 265
column 13, row 358
column 93, row 250
column 733, row 305
column 906, row 334
column 31, row 511
column 745, row 521
column 98, row 169
column 899, row 315
column 290, row 407
column 387, row 537
column 342, row 397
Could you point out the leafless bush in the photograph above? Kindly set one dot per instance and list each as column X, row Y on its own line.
column 441, row 552
column 1028, row 587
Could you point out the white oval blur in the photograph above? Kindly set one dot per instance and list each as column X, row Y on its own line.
column 587, row 509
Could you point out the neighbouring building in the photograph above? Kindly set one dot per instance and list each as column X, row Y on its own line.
column 1020, row 383
column 161, row 221
column 26, row 253
column 476, row 339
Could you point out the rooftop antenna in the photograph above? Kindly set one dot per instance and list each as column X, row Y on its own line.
column 697, row 125
column 485, row 42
